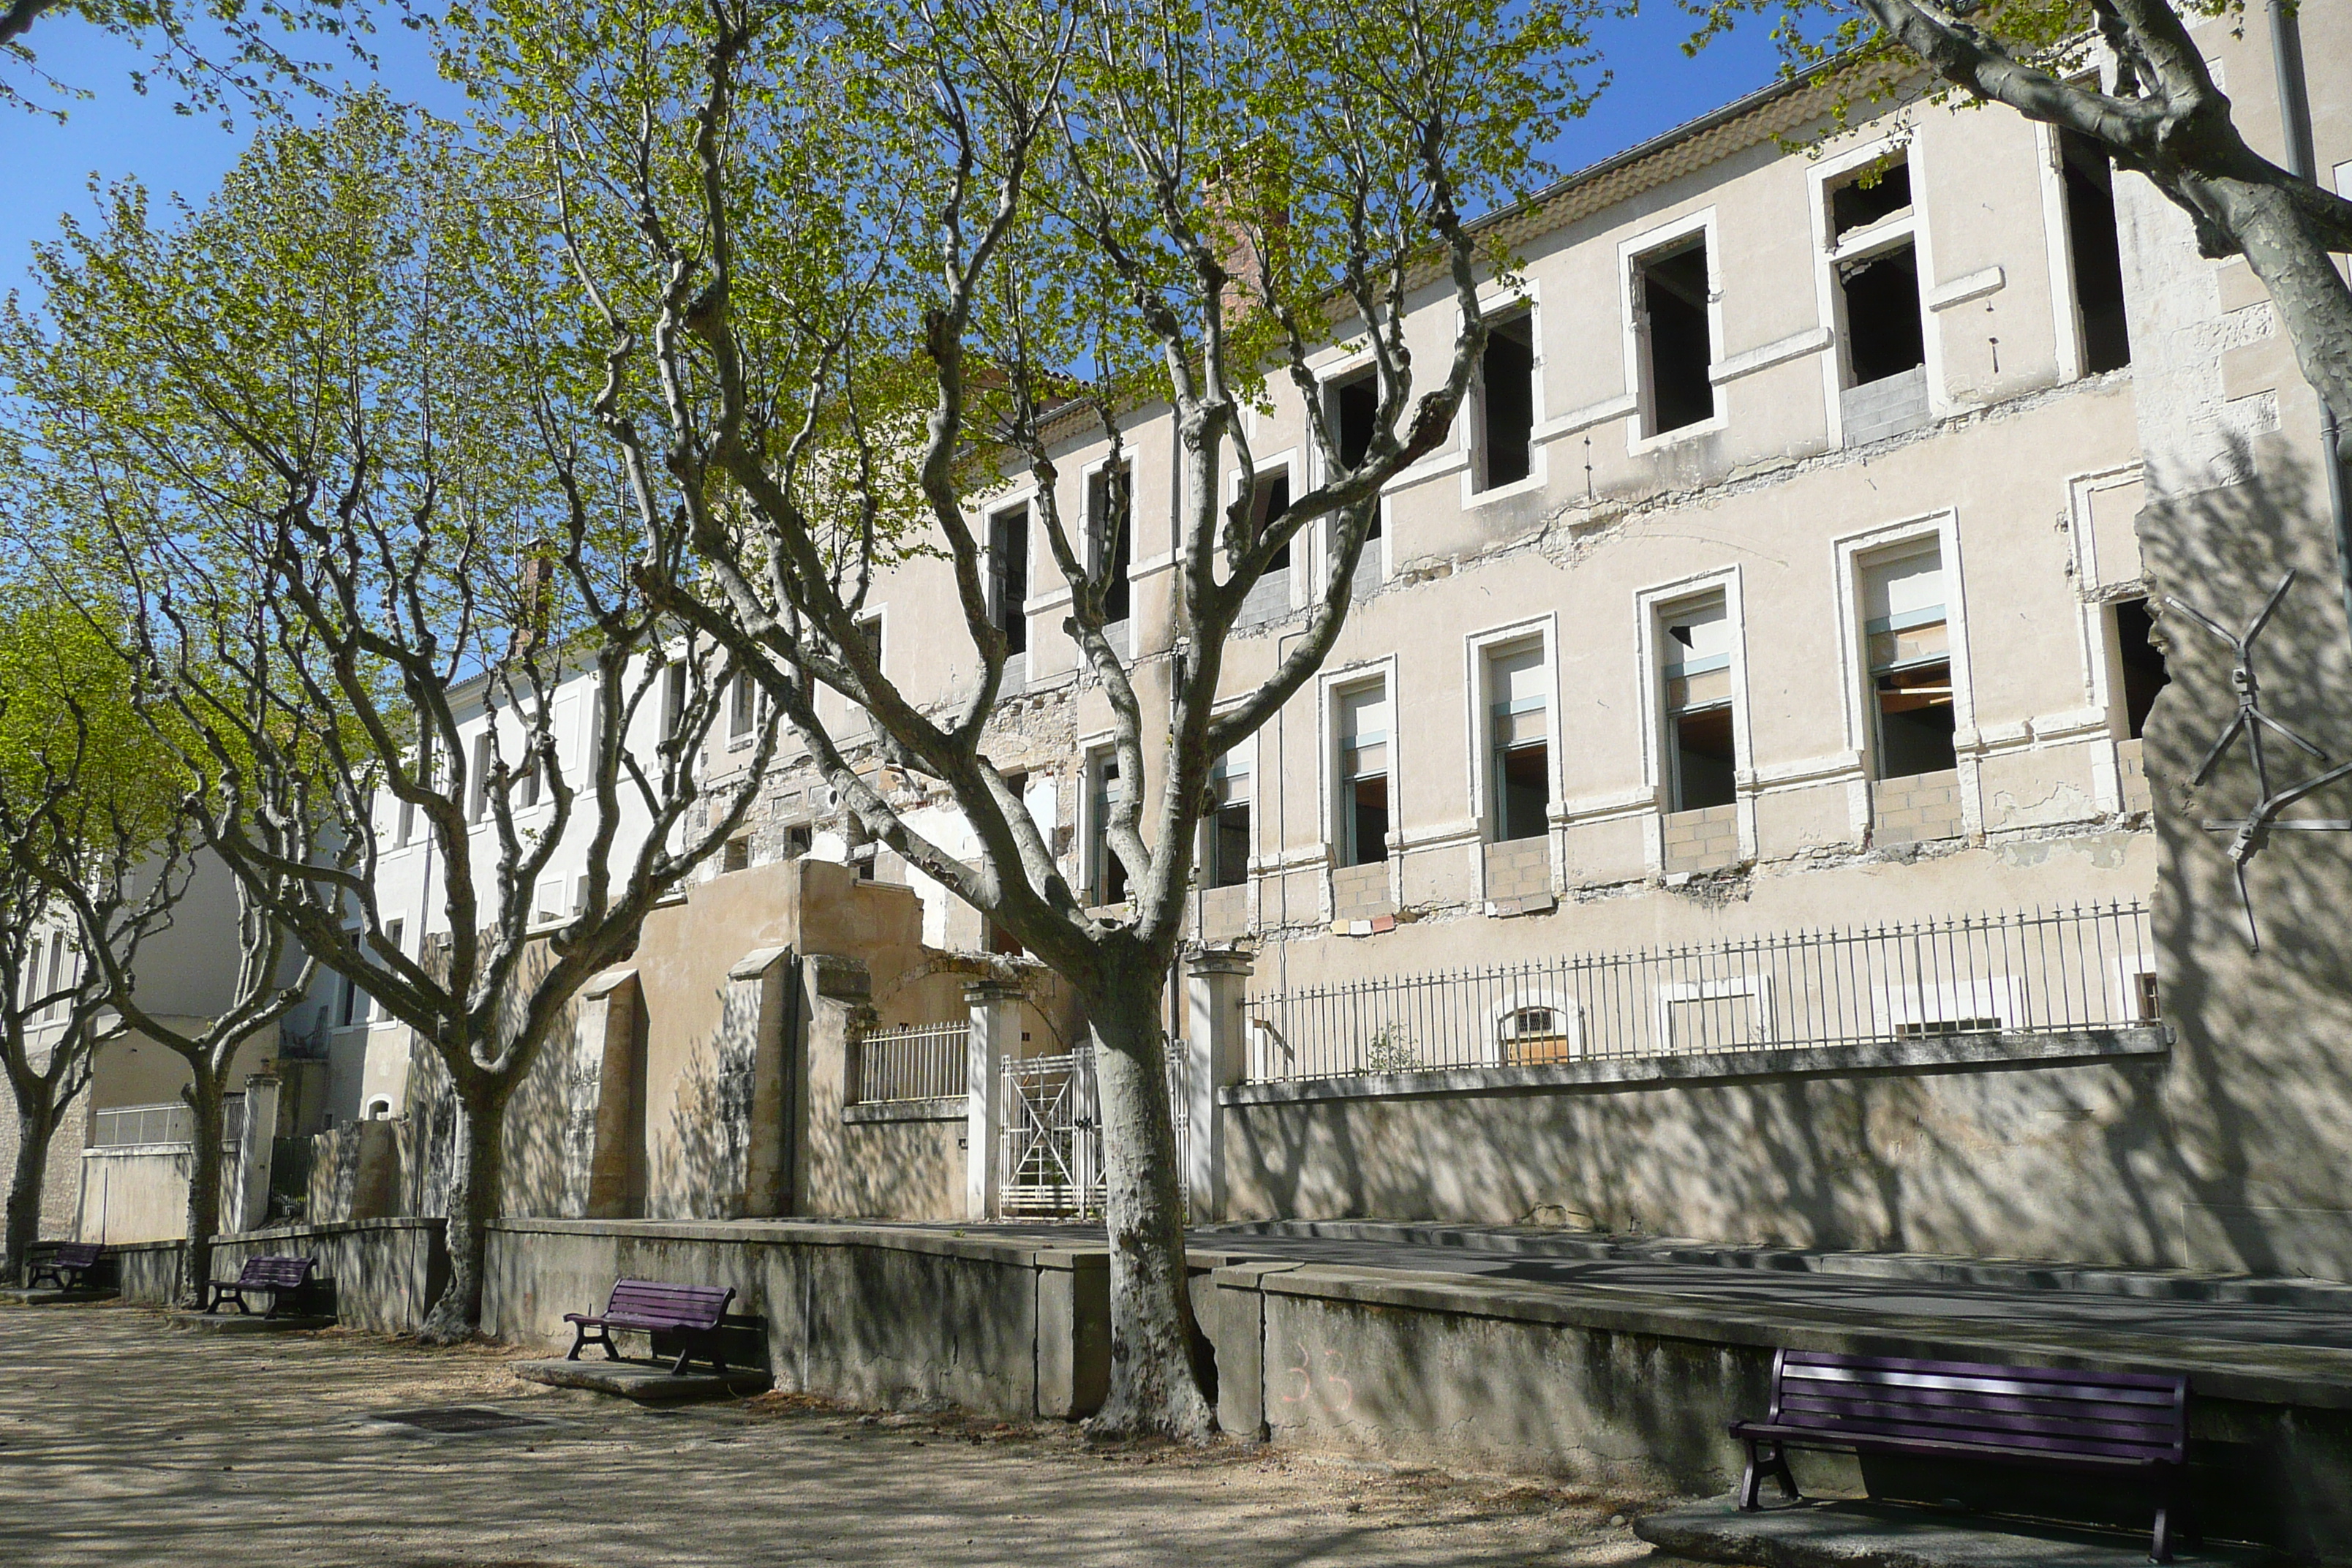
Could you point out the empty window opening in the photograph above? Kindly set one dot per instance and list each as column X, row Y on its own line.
column 1106, row 874
column 1506, row 401
column 673, row 702
column 2143, row 663
column 799, row 838
column 1910, row 664
column 1269, row 499
column 1871, row 197
column 1008, row 571
column 1108, row 496
column 1002, row 940
column 1519, row 703
column 2097, row 254
column 1677, row 346
column 1353, row 406
column 1883, row 336
column 742, row 707
column 1701, row 741
column 1227, row 833
column 736, row 856
column 1363, row 804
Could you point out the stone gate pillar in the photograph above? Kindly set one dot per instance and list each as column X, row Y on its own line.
column 1215, row 1032
column 599, row 1111
column 249, row 1205
column 995, row 1036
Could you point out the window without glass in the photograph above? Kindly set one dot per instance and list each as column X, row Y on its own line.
column 1677, row 345
column 1269, row 499
column 2144, row 673
column 1353, row 408
column 1506, row 401
column 1879, row 289
column 736, row 855
column 1106, row 873
column 1910, row 663
column 1362, row 808
column 1225, row 835
column 2090, row 180
column 1108, row 498
column 1519, row 704
column 1008, row 569
column 1700, row 742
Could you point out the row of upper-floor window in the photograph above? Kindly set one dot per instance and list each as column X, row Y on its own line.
column 1909, row 698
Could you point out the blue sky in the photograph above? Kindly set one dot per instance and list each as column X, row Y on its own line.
column 45, row 167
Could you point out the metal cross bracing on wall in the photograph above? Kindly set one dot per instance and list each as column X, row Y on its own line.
column 1049, row 1142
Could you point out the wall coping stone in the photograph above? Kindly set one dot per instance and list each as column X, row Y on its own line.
column 943, row 1242
column 940, row 1108
column 1926, row 1053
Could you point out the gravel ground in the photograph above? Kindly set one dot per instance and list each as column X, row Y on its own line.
column 124, row 1441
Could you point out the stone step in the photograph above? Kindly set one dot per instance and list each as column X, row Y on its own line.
column 649, row 1383
column 1885, row 1535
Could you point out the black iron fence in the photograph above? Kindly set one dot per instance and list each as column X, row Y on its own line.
column 2039, row 972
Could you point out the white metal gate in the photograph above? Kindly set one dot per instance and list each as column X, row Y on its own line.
column 1050, row 1149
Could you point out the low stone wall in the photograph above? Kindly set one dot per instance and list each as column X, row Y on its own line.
column 387, row 1272
column 149, row 1271
column 887, row 1318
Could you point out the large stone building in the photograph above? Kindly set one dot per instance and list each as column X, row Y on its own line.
column 1726, row 812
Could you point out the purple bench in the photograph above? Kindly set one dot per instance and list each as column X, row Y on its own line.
column 76, row 1258
column 281, row 1277
column 693, row 1313
column 2133, row 1425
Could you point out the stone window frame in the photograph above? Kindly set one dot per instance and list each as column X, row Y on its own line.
column 1851, row 553
column 1649, row 607
column 1318, row 535
column 1207, row 826
column 1631, row 251
column 1292, row 462
column 1494, row 300
column 1022, row 498
column 1478, row 648
column 1138, row 565
column 1093, row 849
column 1827, row 254
column 1330, row 687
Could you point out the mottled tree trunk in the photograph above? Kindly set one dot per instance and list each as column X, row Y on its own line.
column 1156, row 1360
column 36, row 1123
column 204, row 1183
column 475, row 1190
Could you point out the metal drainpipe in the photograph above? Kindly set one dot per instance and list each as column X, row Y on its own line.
column 2294, row 116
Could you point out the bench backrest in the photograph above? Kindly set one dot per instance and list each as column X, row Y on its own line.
column 2115, row 1414
column 686, row 1306
column 276, row 1273
column 79, row 1254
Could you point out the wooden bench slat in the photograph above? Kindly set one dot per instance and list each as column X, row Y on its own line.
column 1796, row 1360
column 2088, row 1422
column 2124, row 1395
column 1980, row 1438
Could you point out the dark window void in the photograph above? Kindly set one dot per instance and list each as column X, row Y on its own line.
column 1863, row 200
column 1229, row 845
column 2098, row 257
column 1002, row 940
column 797, row 841
column 1704, row 774
column 1368, row 820
column 1355, row 405
column 1524, row 777
column 1914, row 719
column 1107, row 510
column 1008, row 565
column 1268, row 501
column 1110, row 871
column 1506, row 401
column 2143, row 661
column 736, row 856
column 1883, row 334
column 1678, row 346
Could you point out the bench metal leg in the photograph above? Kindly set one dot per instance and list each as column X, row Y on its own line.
column 581, row 1339
column 1766, row 1458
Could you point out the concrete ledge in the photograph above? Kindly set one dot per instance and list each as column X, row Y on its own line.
column 1872, row 1536
column 944, row 1108
column 1927, row 1054
column 944, row 1241
column 647, row 1382
column 252, row 1323
column 50, row 1296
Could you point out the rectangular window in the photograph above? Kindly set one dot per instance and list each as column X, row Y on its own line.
column 1879, row 288
column 1108, row 506
column 2098, row 257
column 2144, row 673
column 420, row 766
column 736, row 855
column 1361, row 812
column 1519, row 701
column 1269, row 499
column 673, row 702
column 1507, row 403
column 1008, row 576
column 742, row 707
column 528, row 786
column 1351, row 409
column 1105, row 872
column 477, row 795
column 1227, row 831
column 1910, row 663
column 1671, row 290
column 869, row 632
column 1696, row 650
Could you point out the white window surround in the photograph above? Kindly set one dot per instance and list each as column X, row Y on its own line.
column 1291, row 464
column 1093, row 750
column 1478, row 649
column 1631, row 251
column 1854, row 659
column 1247, row 750
column 1330, row 687
column 1495, row 301
column 1022, row 498
column 1317, row 535
column 1940, row 1003
column 1910, row 225
column 1086, row 541
column 1650, row 606
column 2097, row 584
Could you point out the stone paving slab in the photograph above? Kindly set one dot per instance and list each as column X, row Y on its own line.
column 1871, row 1535
column 245, row 1322
column 644, row 1380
